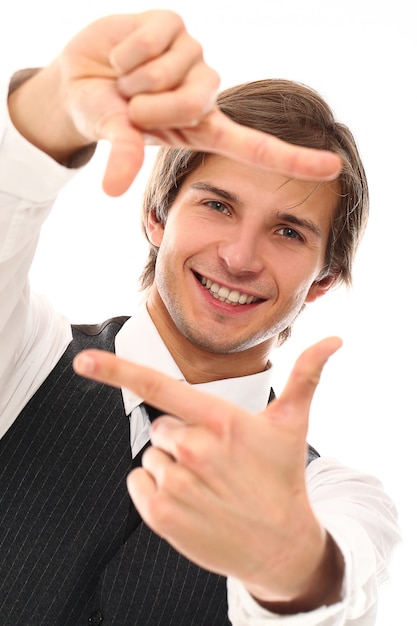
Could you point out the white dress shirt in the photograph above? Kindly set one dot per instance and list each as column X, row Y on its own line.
column 140, row 342
column 352, row 506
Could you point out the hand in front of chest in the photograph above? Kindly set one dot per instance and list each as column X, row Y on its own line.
column 226, row 488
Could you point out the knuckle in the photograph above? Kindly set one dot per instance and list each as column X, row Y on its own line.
column 152, row 388
column 146, row 43
column 184, row 452
column 194, row 451
column 171, row 17
column 155, row 77
column 177, row 21
column 196, row 49
column 308, row 379
column 261, row 148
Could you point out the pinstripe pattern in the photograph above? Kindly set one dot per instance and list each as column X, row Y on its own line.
column 63, row 511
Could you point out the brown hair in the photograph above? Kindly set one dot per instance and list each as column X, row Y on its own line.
column 297, row 114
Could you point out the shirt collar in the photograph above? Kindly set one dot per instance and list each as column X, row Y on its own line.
column 139, row 341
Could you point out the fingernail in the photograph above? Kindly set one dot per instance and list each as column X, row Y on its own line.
column 84, row 364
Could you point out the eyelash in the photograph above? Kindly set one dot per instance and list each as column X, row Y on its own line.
column 220, row 207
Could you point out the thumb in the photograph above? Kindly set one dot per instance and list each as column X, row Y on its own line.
column 126, row 154
column 293, row 405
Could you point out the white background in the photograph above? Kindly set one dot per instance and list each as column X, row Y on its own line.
column 360, row 55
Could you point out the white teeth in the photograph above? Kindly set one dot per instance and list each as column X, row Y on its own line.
column 224, row 294
column 234, row 296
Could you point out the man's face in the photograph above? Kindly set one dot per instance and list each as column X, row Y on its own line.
column 239, row 255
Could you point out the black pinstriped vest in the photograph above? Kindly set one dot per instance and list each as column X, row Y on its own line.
column 63, row 512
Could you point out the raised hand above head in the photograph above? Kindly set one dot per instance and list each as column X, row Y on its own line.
column 137, row 78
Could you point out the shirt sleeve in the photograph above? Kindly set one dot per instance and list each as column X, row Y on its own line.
column 363, row 521
column 32, row 335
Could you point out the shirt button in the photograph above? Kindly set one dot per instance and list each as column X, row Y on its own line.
column 95, row 618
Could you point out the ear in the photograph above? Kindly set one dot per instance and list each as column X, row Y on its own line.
column 154, row 229
column 320, row 287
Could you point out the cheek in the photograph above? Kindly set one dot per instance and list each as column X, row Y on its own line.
column 180, row 243
column 173, row 252
column 293, row 273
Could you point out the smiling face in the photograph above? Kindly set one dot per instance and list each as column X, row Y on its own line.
column 240, row 253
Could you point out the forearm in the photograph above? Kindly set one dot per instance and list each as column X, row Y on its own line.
column 32, row 336
column 29, row 183
column 36, row 107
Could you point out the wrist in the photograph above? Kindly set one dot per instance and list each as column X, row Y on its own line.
column 322, row 586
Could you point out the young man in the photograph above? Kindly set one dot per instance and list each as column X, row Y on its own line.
column 244, row 229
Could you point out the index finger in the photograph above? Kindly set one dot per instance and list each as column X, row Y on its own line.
column 254, row 147
column 216, row 133
column 165, row 393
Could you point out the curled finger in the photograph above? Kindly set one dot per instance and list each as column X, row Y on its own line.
column 146, row 36
column 165, row 72
column 182, row 107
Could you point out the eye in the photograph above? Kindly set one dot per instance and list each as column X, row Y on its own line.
column 289, row 233
column 220, row 207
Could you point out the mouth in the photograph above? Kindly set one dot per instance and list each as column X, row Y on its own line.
column 224, row 294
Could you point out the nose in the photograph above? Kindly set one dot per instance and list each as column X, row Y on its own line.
column 240, row 251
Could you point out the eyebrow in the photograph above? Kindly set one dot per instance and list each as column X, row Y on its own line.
column 300, row 222
column 278, row 215
column 222, row 193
